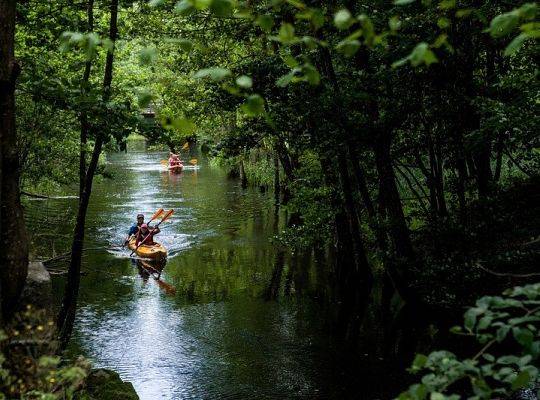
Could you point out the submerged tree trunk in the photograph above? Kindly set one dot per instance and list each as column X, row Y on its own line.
column 13, row 238
column 66, row 316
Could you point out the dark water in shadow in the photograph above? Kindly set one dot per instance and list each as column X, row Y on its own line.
column 204, row 330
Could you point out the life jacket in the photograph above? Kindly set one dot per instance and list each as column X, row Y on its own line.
column 141, row 236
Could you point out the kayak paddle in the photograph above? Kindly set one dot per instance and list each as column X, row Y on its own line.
column 157, row 214
column 165, row 218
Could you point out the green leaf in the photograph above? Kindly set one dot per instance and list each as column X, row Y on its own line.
column 403, row 2
column 215, row 73
column 523, row 336
column 504, row 24
column 266, row 22
column 285, row 79
column 447, row 4
column 419, row 362
column 184, row 7
column 155, row 3
column 222, row 8
column 253, row 106
column 343, row 19
column 147, row 55
column 515, row 44
column 521, row 381
column 202, row 4
column 502, row 332
column 422, row 54
column 394, row 23
column 286, row 33
column 348, row 47
column 244, row 81
column 443, row 23
column 311, row 74
column 184, row 125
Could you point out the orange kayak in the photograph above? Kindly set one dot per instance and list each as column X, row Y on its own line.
column 154, row 251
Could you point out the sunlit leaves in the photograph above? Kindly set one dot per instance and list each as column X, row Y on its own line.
column 348, row 47
column 286, row 33
column 343, row 19
column 265, row 22
column 421, row 54
column 155, row 3
column 403, row 2
column 253, row 106
column 504, row 24
column 183, row 125
column 184, row 7
column 215, row 73
column 244, row 82
column 221, row 8
column 314, row 15
column 88, row 43
column 185, row 45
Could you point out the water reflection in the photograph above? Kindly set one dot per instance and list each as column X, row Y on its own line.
column 230, row 315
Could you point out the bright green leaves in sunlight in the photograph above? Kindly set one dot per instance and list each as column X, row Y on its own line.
column 244, row 82
column 183, row 125
column 507, row 23
column 421, row 54
column 221, row 8
column 185, row 45
column 265, row 22
column 286, row 34
column 88, row 43
column 215, row 73
column 343, row 19
column 254, row 105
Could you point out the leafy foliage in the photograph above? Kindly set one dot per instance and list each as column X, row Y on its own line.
column 498, row 323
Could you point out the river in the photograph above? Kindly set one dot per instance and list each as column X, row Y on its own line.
column 204, row 329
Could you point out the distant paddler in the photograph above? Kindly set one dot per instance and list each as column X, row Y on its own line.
column 175, row 164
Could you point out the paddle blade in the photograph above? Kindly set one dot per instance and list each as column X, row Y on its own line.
column 185, row 146
column 164, row 162
column 157, row 214
column 168, row 214
column 193, row 161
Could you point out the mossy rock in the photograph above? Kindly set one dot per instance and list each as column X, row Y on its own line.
column 104, row 384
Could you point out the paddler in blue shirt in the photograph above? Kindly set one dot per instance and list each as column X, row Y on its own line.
column 135, row 227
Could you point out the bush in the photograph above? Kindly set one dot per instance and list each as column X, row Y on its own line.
column 500, row 324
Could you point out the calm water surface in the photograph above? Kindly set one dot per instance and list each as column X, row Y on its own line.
column 204, row 330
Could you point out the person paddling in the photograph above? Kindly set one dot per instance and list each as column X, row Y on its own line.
column 135, row 227
column 174, row 160
column 146, row 234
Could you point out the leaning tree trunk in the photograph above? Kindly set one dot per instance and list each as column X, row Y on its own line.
column 66, row 316
column 85, row 125
column 13, row 239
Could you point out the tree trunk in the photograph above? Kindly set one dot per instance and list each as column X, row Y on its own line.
column 85, row 126
column 66, row 315
column 13, row 238
column 277, row 187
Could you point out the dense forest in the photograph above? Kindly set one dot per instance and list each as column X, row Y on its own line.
column 399, row 140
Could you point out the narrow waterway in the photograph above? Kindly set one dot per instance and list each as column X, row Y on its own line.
column 205, row 329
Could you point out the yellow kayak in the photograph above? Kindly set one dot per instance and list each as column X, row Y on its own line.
column 154, row 251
